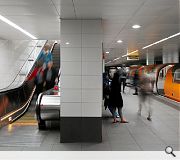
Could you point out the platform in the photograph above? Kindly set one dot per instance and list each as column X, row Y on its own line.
column 138, row 135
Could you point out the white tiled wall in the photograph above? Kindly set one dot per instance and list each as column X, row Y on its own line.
column 92, row 68
column 73, row 39
column 70, row 68
column 81, row 68
column 91, row 40
column 71, row 95
column 71, row 54
column 13, row 54
column 91, row 54
column 71, row 27
column 91, row 95
column 92, row 82
column 91, row 27
column 91, row 109
column 71, row 81
column 68, row 108
column 149, row 58
column 170, row 54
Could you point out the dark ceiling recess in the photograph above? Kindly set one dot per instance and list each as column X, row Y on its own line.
column 158, row 60
column 129, row 63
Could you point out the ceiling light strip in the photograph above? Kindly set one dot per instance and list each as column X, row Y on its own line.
column 116, row 59
column 125, row 55
column 162, row 40
column 130, row 53
column 108, row 62
column 2, row 18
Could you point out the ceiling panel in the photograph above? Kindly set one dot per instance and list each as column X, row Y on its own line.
column 44, row 10
column 158, row 18
column 39, row 17
column 108, row 2
column 152, row 3
column 23, row 2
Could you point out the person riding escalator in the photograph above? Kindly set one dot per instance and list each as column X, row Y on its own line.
column 50, row 76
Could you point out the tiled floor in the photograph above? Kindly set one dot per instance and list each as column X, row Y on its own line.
column 138, row 135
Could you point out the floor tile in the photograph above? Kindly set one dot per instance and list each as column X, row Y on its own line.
column 66, row 147
column 41, row 148
column 127, row 147
column 153, row 147
column 11, row 148
column 104, row 146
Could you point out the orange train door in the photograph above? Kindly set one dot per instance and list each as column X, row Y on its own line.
column 171, row 85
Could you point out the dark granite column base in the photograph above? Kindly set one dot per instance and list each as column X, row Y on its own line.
column 80, row 129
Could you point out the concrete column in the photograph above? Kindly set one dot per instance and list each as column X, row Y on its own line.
column 103, row 63
column 149, row 57
column 170, row 53
column 81, row 81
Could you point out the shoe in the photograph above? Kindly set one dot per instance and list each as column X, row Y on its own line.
column 124, row 122
column 117, row 116
column 115, row 121
column 149, row 118
column 135, row 93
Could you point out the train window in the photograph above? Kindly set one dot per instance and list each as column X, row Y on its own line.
column 177, row 76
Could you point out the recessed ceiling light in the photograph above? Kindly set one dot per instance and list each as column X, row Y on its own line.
column 107, row 52
column 119, row 41
column 2, row 18
column 67, row 43
column 136, row 26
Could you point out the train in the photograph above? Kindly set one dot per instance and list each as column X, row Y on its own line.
column 167, row 78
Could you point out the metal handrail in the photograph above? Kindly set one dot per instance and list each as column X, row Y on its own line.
column 2, row 89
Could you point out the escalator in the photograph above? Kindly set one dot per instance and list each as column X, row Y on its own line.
column 56, row 56
column 21, row 101
column 14, row 102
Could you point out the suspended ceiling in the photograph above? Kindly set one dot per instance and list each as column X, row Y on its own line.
column 158, row 19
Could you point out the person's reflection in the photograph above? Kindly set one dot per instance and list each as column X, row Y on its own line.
column 4, row 102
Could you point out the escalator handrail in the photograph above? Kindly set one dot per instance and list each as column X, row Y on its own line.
column 7, row 88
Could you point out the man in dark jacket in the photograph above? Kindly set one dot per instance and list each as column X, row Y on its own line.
column 136, row 81
column 50, row 76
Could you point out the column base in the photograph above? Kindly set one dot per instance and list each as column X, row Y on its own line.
column 80, row 129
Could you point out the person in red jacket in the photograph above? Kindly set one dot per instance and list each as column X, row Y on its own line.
column 34, row 72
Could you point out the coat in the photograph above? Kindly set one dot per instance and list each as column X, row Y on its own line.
column 116, row 100
column 51, row 83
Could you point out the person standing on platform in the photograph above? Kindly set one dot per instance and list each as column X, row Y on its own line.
column 106, row 93
column 135, row 82
column 122, row 76
column 116, row 100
